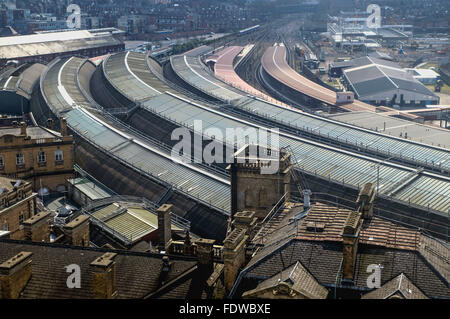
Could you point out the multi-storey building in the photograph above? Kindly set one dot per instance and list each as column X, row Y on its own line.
column 17, row 204
column 37, row 154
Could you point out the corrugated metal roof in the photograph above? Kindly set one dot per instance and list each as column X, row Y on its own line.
column 130, row 222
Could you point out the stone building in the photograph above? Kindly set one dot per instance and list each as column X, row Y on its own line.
column 17, row 204
column 37, row 154
column 340, row 253
column 253, row 189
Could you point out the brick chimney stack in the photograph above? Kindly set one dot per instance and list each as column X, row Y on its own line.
column 350, row 236
column 245, row 220
column 77, row 231
column 63, row 124
column 366, row 200
column 104, row 277
column 37, row 228
column 164, row 227
column 233, row 256
column 23, row 128
column 14, row 275
column 205, row 252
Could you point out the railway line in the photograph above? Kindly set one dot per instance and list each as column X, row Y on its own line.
column 191, row 70
column 65, row 98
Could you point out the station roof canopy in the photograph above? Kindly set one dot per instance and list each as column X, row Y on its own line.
column 54, row 42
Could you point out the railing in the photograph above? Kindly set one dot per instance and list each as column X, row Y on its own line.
column 177, row 248
column 273, row 212
column 109, row 230
column 325, row 138
column 127, row 128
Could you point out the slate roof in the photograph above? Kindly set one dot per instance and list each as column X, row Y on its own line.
column 137, row 274
column 298, row 278
column 400, row 287
column 423, row 259
column 382, row 79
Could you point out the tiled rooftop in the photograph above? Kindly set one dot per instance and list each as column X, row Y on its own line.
column 137, row 274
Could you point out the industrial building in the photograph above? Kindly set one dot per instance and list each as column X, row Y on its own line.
column 355, row 30
column 380, row 82
column 424, row 76
column 46, row 46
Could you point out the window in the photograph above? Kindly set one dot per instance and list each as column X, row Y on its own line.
column 5, row 226
column 1, row 161
column 20, row 159
column 58, row 156
column 21, row 218
column 41, row 157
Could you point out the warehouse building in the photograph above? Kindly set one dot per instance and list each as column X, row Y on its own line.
column 380, row 82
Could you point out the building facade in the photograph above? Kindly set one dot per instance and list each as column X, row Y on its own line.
column 37, row 154
column 17, row 204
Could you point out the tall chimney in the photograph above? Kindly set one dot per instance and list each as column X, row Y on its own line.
column 14, row 275
column 164, row 227
column 366, row 200
column 23, row 128
column 77, row 231
column 233, row 256
column 37, row 228
column 245, row 220
column 63, row 124
column 104, row 276
column 205, row 252
column 350, row 236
